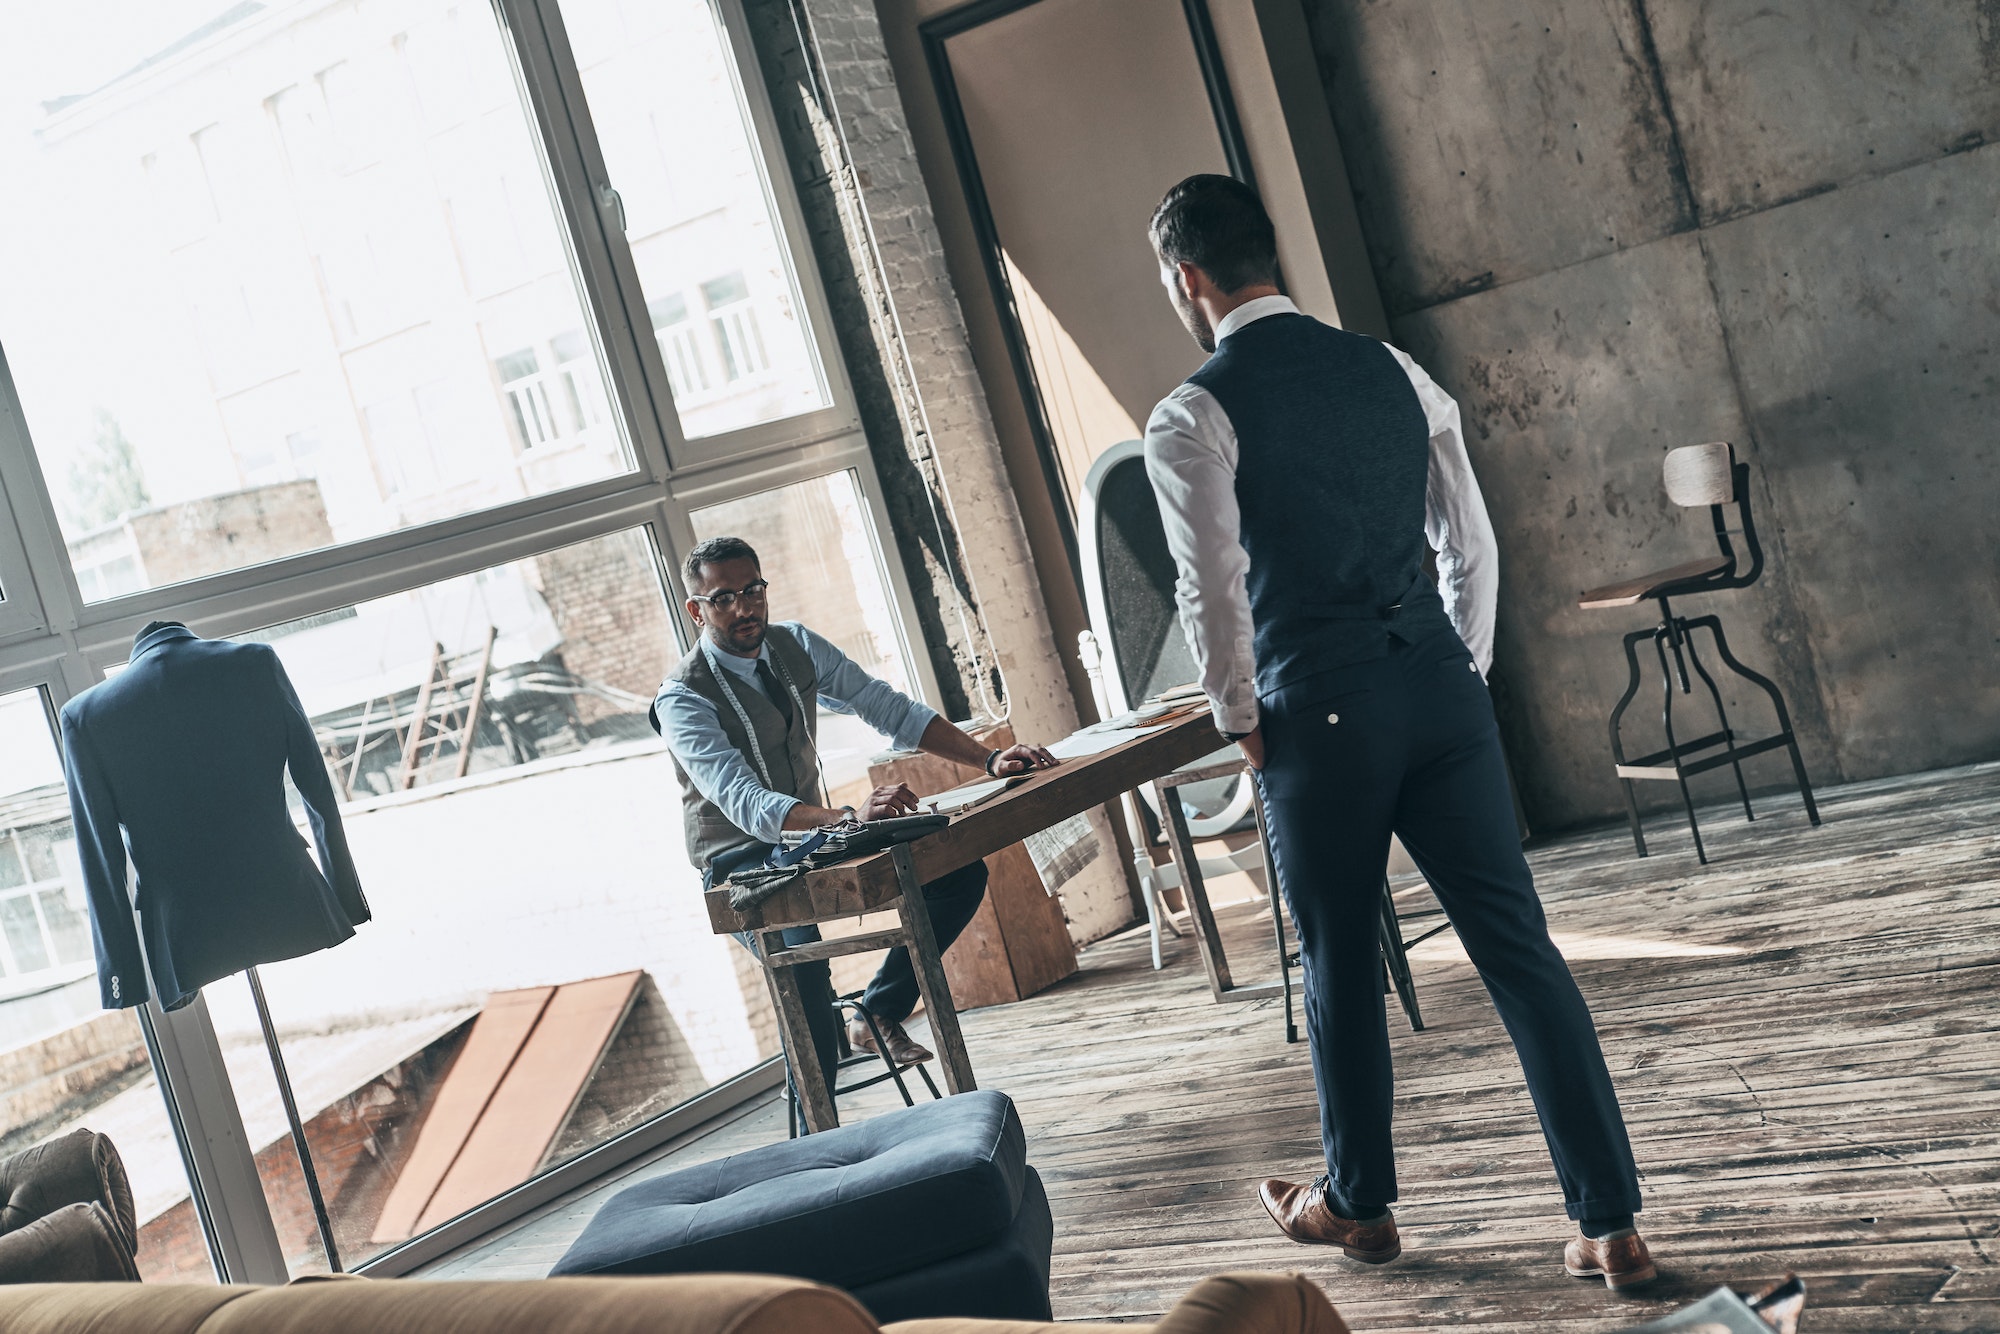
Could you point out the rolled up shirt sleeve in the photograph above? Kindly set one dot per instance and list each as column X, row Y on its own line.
column 1191, row 459
column 845, row 687
column 692, row 727
column 1456, row 523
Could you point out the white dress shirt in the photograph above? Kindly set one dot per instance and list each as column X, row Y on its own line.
column 1191, row 456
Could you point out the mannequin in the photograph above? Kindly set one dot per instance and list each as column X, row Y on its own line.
column 182, row 757
column 179, row 761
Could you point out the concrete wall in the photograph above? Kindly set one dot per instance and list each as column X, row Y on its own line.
column 1611, row 227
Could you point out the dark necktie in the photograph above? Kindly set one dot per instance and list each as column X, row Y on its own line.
column 774, row 689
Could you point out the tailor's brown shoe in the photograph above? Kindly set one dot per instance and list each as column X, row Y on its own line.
column 903, row 1049
column 1304, row 1215
column 1620, row 1257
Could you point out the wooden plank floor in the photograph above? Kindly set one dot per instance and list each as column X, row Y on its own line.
column 1803, row 1034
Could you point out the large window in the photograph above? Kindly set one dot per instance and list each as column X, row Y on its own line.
column 515, row 824
column 298, row 281
column 348, row 332
column 705, row 235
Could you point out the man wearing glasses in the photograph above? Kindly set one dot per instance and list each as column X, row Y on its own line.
column 741, row 715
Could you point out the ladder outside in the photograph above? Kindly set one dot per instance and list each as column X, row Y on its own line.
column 447, row 712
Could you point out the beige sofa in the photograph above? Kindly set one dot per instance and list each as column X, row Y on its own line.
column 684, row 1304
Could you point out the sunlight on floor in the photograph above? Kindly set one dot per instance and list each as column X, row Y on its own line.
column 1577, row 945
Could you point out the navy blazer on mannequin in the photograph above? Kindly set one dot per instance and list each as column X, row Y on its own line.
column 181, row 758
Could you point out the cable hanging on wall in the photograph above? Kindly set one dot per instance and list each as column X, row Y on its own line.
column 888, row 324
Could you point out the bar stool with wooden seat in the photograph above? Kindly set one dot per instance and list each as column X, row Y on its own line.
column 1697, row 475
column 844, row 1005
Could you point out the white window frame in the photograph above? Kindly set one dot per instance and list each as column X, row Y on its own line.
column 52, row 640
column 22, row 520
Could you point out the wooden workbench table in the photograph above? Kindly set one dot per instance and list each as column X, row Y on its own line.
column 879, row 883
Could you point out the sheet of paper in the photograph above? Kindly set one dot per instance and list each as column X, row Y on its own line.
column 1079, row 744
column 1076, row 746
column 1061, row 850
column 965, row 798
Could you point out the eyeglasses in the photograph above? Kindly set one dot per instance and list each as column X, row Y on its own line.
column 724, row 599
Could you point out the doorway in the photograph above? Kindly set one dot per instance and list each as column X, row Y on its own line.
column 1068, row 120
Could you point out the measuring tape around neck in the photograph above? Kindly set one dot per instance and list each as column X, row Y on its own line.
column 722, row 675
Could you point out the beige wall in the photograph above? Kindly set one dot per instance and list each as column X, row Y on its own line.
column 1082, row 114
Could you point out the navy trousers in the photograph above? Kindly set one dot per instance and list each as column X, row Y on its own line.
column 1407, row 745
column 892, row 994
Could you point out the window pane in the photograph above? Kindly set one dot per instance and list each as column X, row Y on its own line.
column 65, row 1064
column 27, row 944
column 814, row 541
column 552, row 874
column 711, row 254
column 298, row 281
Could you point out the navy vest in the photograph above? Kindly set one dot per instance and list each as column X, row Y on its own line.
column 1333, row 462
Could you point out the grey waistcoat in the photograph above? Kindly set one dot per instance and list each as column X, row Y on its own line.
column 788, row 753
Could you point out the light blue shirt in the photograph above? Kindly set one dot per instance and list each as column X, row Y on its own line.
column 692, row 727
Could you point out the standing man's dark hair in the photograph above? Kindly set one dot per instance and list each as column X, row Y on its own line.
column 714, row 552
column 1218, row 224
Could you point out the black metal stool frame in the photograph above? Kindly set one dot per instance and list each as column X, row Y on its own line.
column 1675, row 634
column 849, row 1058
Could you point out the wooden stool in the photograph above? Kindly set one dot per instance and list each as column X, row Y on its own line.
column 1696, row 475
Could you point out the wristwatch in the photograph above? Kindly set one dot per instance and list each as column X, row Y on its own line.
column 1236, row 736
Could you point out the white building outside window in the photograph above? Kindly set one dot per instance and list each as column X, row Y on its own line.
column 737, row 335
column 680, row 346
column 44, row 926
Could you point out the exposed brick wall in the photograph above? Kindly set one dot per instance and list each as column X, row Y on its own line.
column 858, row 72
column 983, row 537
column 44, row 1081
column 607, row 601
column 648, row 1070
column 757, row 1008
column 226, row 532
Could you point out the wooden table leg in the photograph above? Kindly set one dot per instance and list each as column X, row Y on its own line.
column 815, row 1098
column 931, row 981
column 1196, row 891
column 1276, row 897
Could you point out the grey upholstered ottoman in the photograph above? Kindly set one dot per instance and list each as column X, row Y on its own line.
column 927, row 1211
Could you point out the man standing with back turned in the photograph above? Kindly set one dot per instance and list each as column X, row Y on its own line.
column 1300, row 473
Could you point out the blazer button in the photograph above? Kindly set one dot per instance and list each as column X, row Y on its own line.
column 1333, row 717
column 1472, row 666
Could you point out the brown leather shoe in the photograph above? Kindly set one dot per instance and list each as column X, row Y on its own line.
column 1304, row 1215
column 903, row 1049
column 1621, row 1257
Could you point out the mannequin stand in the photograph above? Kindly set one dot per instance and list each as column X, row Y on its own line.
column 292, row 1116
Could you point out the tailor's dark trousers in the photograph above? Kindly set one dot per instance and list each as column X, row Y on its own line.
column 892, row 994
column 1406, row 744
